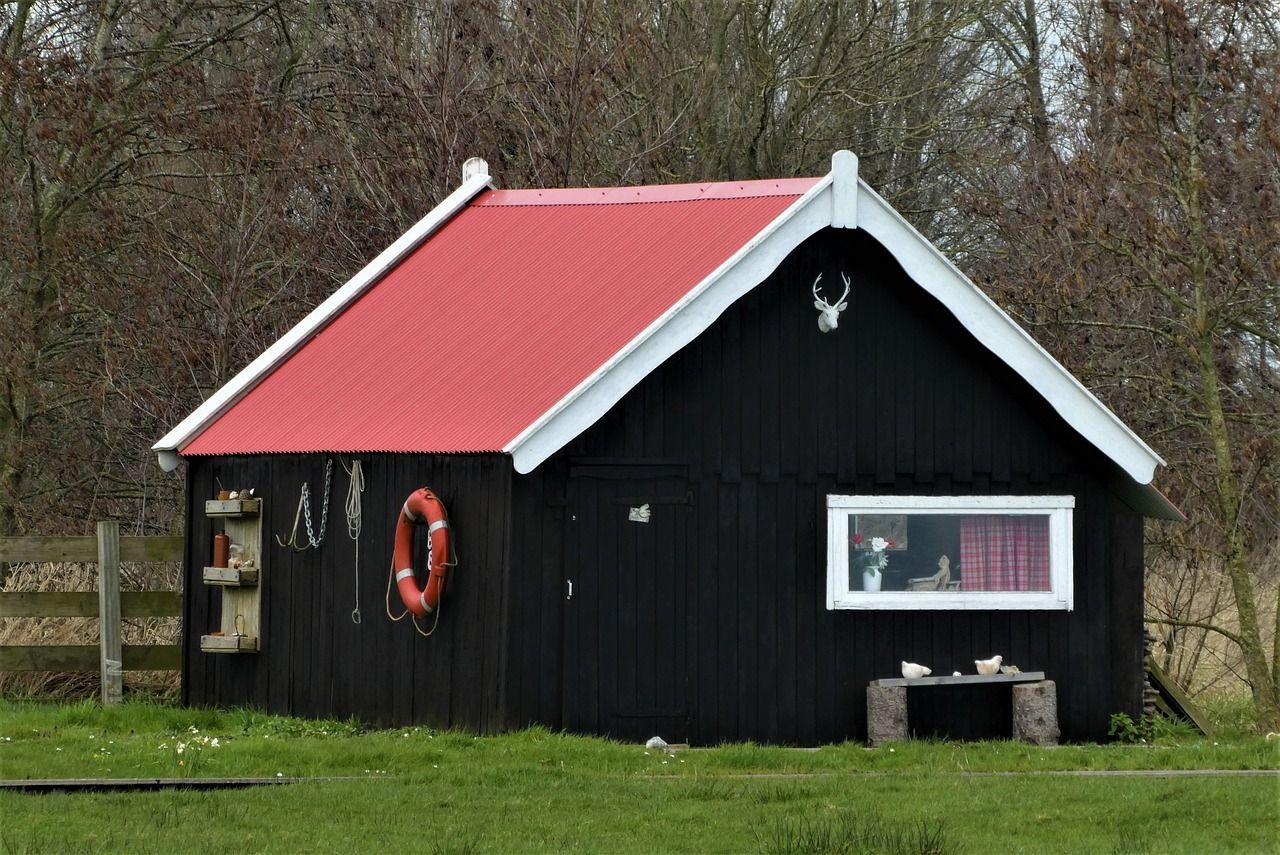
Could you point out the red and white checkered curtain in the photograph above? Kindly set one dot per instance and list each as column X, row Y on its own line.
column 1004, row 553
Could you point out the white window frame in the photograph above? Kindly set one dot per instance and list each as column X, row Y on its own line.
column 1057, row 508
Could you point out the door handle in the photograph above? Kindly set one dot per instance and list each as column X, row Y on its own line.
column 569, row 594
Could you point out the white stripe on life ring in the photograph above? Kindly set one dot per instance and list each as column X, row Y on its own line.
column 408, row 513
column 401, row 575
column 425, row 605
column 437, row 525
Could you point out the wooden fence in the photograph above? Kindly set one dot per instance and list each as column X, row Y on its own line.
column 108, row 604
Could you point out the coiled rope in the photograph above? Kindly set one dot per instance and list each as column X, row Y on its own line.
column 355, row 521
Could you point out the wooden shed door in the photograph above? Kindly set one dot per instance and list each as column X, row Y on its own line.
column 627, row 569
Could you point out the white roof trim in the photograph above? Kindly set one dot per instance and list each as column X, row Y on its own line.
column 221, row 400
column 989, row 324
column 842, row 200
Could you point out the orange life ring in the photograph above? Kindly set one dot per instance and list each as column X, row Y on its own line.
column 422, row 506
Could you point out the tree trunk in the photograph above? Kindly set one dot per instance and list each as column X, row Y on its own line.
column 1261, row 680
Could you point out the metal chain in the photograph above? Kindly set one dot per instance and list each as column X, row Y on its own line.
column 306, row 506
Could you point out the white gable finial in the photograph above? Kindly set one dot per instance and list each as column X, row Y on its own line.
column 844, row 190
column 474, row 166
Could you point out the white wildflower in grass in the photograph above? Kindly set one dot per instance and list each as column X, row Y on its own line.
column 214, row 743
column 279, row 774
column 182, row 746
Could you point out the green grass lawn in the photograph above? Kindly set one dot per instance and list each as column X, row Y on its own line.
column 535, row 791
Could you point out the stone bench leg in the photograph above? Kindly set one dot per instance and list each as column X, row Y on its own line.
column 886, row 714
column 1035, row 712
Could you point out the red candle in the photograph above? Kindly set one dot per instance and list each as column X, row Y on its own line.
column 221, row 549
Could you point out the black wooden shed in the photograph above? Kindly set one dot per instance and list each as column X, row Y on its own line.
column 666, row 475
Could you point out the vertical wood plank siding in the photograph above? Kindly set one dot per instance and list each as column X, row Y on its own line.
column 768, row 416
column 315, row 661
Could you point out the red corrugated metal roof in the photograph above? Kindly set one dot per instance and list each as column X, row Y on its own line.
column 497, row 317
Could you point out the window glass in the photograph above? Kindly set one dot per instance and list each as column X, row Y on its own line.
column 948, row 552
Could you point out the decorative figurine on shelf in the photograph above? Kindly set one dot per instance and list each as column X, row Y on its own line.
column 912, row 671
column 987, row 667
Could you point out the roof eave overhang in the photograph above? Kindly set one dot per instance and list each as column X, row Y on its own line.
column 839, row 200
column 169, row 447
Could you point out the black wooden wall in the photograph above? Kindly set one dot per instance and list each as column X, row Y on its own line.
column 756, row 422
column 314, row 660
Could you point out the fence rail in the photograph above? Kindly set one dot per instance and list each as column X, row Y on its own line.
column 109, row 657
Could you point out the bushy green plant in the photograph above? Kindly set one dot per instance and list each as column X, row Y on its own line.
column 1124, row 729
column 1150, row 729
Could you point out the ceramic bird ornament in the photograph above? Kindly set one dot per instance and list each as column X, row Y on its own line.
column 989, row 666
column 912, row 671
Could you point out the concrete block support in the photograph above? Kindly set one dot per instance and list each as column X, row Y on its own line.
column 886, row 714
column 1035, row 712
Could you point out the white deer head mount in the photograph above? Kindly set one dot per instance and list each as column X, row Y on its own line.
column 829, row 318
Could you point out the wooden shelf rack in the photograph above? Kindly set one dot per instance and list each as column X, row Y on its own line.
column 241, row 625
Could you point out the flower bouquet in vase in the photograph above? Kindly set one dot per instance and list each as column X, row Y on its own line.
column 871, row 557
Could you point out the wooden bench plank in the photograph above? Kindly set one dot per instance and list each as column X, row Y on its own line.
column 963, row 680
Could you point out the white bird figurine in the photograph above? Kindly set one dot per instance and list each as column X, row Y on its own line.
column 912, row 671
column 989, row 666
column 955, row 673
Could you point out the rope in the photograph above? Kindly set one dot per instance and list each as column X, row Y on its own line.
column 355, row 521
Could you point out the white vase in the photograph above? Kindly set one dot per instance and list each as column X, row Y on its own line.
column 871, row 581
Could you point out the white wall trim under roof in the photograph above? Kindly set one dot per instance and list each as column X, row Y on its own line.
column 841, row 199
column 476, row 180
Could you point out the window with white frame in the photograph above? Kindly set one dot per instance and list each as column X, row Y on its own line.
column 949, row 552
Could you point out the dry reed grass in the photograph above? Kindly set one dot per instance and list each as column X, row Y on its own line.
column 1206, row 662
column 150, row 576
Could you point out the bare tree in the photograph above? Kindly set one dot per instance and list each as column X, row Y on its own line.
column 1144, row 243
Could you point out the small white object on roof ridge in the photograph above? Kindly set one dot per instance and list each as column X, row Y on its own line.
column 474, row 167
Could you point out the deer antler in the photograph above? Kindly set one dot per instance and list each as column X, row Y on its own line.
column 819, row 298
